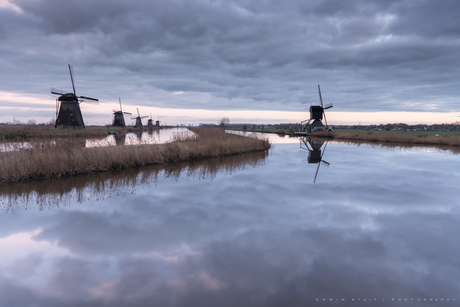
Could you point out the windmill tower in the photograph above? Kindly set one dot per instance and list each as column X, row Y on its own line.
column 315, row 156
column 150, row 121
column 316, row 116
column 138, row 119
column 118, row 118
column 68, row 112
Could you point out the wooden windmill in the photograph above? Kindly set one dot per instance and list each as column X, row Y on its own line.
column 316, row 116
column 118, row 118
column 68, row 112
column 138, row 119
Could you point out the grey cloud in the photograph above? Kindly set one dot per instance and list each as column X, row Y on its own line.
column 370, row 56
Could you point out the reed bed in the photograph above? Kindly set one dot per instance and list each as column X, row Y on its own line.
column 67, row 159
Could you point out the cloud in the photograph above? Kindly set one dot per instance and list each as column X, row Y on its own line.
column 368, row 56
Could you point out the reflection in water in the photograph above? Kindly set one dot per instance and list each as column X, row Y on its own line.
column 61, row 192
column 315, row 156
column 385, row 226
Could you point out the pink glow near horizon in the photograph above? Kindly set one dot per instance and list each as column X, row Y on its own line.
column 102, row 114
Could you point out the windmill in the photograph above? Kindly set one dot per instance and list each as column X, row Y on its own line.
column 118, row 118
column 150, row 121
column 138, row 119
column 316, row 116
column 68, row 113
column 315, row 156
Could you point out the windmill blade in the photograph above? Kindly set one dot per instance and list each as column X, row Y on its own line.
column 138, row 114
column 126, row 113
column 56, row 91
column 320, row 98
column 324, row 114
column 325, row 163
column 88, row 98
column 119, row 99
column 144, row 116
column 328, row 106
column 71, row 78
column 317, row 170
column 324, row 150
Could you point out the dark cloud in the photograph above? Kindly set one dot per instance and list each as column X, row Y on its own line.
column 368, row 55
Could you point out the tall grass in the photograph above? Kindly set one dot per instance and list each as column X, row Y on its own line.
column 66, row 159
column 51, row 193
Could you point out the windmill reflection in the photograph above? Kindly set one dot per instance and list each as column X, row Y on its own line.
column 315, row 155
column 120, row 139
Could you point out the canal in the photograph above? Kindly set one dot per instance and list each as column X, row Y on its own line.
column 304, row 224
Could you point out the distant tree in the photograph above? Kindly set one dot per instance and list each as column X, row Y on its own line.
column 245, row 127
column 31, row 122
column 224, row 122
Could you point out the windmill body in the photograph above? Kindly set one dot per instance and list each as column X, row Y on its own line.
column 68, row 112
column 118, row 119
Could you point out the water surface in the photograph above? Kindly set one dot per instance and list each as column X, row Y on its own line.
column 380, row 225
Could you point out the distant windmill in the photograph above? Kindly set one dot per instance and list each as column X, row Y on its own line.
column 150, row 121
column 315, row 156
column 118, row 118
column 68, row 111
column 316, row 116
column 139, row 119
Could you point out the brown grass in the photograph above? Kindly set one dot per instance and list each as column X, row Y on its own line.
column 66, row 159
column 50, row 193
column 29, row 132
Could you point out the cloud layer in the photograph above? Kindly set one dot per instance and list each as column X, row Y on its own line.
column 239, row 55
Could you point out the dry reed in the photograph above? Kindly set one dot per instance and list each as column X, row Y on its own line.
column 66, row 159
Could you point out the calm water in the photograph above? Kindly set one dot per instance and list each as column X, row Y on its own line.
column 379, row 225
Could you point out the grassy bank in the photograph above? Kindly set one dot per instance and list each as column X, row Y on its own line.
column 450, row 138
column 30, row 132
column 64, row 159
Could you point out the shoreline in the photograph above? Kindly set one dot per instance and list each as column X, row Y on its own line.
column 64, row 159
column 421, row 138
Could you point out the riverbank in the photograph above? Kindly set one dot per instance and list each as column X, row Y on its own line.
column 65, row 159
column 449, row 138
column 40, row 132
column 442, row 138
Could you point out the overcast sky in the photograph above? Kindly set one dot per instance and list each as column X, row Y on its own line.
column 199, row 60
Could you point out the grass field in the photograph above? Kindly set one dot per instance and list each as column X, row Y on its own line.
column 28, row 132
column 400, row 133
